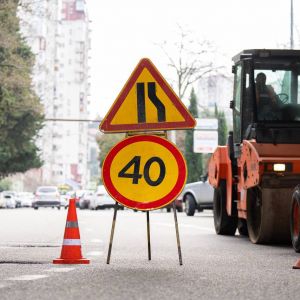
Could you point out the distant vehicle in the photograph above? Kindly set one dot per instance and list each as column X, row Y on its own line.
column 82, row 198
column 197, row 196
column 178, row 204
column 78, row 196
column 46, row 196
column 13, row 200
column 71, row 195
column 7, row 200
column 2, row 201
column 25, row 199
column 64, row 201
column 101, row 199
column 65, row 197
column 85, row 199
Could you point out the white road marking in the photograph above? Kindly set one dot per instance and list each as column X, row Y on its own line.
column 27, row 277
column 94, row 253
column 59, row 270
column 96, row 241
column 185, row 226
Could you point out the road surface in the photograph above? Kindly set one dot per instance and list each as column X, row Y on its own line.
column 214, row 267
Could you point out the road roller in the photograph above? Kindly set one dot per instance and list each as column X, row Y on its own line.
column 255, row 174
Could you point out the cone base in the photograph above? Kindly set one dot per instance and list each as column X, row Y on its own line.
column 297, row 265
column 71, row 261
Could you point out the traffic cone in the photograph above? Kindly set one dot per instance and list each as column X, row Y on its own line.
column 297, row 265
column 71, row 248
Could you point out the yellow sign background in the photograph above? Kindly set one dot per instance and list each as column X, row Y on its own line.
column 142, row 191
column 128, row 112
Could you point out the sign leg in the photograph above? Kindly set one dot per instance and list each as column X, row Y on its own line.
column 177, row 234
column 112, row 233
column 148, row 236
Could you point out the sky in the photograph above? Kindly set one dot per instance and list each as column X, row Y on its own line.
column 124, row 31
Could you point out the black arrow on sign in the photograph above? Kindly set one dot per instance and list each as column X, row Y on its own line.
column 161, row 111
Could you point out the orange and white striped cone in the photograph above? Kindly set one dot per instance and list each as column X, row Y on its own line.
column 71, row 248
column 297, row 264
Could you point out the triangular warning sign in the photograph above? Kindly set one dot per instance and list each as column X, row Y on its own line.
column 146, row 103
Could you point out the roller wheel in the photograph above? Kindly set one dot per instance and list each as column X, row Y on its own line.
column 190, row 205
column 224, row 224
column 295, row 220
column 242, row 227
column 268, row 215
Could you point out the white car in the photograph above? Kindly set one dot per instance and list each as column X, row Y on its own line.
column 46, row 196
column 2, row 201
column 26, row 199
column 197, row 196
column 85, row 199
column 15, row 196
column 101, row 199
column 64, row 201
column 7, row 200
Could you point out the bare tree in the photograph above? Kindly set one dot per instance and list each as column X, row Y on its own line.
column 191, row 59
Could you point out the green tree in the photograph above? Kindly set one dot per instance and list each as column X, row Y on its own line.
column 5, row 185
column 106, row 142
column 222, row 126
column 193, row 160
column 20, row 110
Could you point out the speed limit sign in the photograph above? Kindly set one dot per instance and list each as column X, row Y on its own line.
column 144, row 172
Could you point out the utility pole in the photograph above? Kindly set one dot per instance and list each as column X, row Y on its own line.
column 292, row 27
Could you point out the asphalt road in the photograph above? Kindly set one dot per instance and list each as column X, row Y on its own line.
column 214, row 267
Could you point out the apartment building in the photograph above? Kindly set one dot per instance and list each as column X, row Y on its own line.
column 58, row 33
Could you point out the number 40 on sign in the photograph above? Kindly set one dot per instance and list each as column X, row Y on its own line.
column 144, row 172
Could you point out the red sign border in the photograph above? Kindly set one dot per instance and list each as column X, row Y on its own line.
column 139, row 205
column 106, row 126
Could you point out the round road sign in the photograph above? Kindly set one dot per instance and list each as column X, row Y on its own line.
column 144, row 172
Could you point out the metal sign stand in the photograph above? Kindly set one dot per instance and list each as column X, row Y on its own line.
column 148, row 227
column 177, row 234
column 148, row 234
column 112, row 232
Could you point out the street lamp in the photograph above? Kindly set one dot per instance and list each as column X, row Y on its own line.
column 292, row 27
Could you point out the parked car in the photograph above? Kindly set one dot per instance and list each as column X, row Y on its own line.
column 2, row 201
column 101, row 199
column 79, row 194
column 65, row 197
column 71, row 195
column 12, row 202
column 85, row 199
column 25, row 199
column 46, row 196
column 178, row 205
column 7, row 200
column 64, row 201
column 197, row 196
